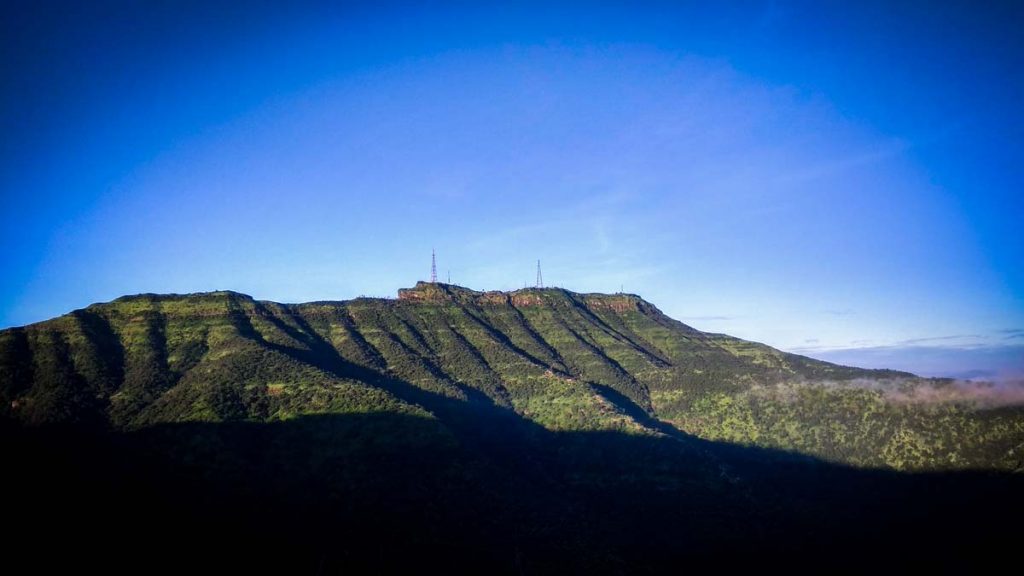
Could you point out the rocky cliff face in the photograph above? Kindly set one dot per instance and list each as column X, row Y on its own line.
column 438, row 292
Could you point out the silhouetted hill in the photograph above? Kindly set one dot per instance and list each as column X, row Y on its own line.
column 384, row 492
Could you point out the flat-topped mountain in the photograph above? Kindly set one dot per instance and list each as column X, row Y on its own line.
column 531, row 431
column 439, row 292
column 564, row 360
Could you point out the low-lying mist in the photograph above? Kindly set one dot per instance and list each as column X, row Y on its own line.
column 982, row 394
column 973, row 393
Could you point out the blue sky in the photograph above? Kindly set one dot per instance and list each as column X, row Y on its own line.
column 842, row 181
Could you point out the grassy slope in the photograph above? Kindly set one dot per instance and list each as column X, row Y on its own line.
column 563, row 360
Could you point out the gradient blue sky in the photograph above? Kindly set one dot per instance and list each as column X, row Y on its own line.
column 845, row 180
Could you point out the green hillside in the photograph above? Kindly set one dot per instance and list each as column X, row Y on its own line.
column 537, row 431
column 562, row 360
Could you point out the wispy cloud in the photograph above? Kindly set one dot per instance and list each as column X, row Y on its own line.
column 958, row 341
column 838, row 166
column 914, row 341
column 709, row 318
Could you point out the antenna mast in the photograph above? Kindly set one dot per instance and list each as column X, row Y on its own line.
column 433, row 267
column 540, row 279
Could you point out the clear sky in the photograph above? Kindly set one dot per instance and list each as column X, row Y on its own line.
column 845, row 180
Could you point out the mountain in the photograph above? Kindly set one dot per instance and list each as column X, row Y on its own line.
column 564, row 360
column 526, row 431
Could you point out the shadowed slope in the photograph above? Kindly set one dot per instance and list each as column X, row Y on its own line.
column 389, row 492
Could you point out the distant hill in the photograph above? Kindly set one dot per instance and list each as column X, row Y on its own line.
column 531, row 431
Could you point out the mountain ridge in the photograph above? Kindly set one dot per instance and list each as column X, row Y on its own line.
column 535, row 432
column 564, row 360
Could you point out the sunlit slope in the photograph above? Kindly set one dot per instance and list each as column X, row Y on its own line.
column 564, row 360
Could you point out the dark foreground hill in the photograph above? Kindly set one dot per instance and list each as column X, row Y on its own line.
column 523, row 432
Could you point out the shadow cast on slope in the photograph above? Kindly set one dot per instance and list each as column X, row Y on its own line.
column 389, row 492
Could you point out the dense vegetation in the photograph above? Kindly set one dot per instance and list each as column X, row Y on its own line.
column 536, row 430
column 563, row 360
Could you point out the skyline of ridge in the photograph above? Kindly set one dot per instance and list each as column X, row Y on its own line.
column 413, row 293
